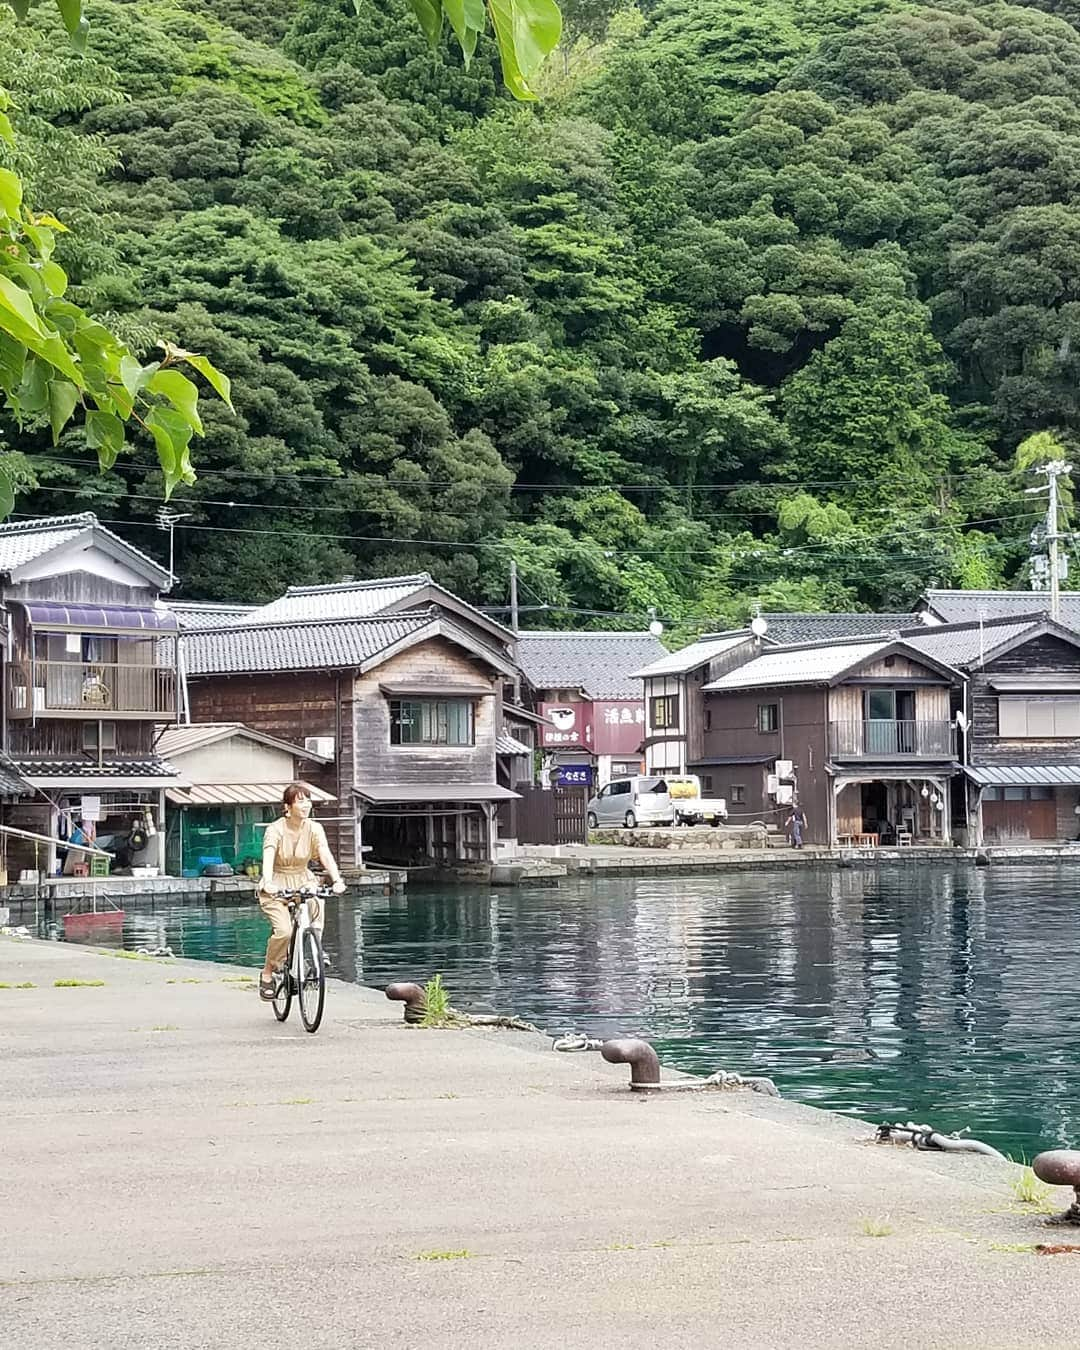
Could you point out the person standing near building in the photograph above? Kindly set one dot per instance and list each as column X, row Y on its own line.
column 796, row 825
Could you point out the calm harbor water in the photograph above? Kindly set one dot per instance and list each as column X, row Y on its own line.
column 930, row 993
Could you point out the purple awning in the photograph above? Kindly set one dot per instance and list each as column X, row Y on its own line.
column 44, row 614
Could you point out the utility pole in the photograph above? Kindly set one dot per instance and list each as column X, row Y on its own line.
column 513, row 596
column 1053, row 470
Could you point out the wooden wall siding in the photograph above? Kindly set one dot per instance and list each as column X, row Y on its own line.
column 1045, row 655
column 435, row 662
column 291, row 707
column 55, row 738
column 897, row 668
column 804, row 740
column 81, row 588
column 931, row 702
column 849, row 815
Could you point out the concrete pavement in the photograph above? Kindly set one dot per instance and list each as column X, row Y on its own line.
column 180, row 1170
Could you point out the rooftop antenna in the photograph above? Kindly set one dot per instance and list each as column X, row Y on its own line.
column 166, row 520
column 982, row 636
column 1053, row 470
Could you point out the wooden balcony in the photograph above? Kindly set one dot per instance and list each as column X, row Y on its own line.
column 90, row 689
column 888, row 738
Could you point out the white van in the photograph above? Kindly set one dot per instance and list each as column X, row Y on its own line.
column 631, row 802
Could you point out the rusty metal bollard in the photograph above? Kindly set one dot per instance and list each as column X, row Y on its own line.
column 413, row 998
column 1061, row 1167
column 644, row 1066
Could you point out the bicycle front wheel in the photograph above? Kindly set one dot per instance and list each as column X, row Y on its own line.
column 312, row 980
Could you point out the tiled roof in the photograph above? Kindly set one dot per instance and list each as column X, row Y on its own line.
column 966, row 644
column 603, row 664
column 505, row 744
column 790, row 627
column 201, row 614
column 799, row 665
column 343, row 600
column 152, row 766
column 11, row 785
column 22, row 541
column 254, row 648
column 970, row 606
column 689, row 658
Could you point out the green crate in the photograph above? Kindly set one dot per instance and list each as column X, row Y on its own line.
column 99, row 867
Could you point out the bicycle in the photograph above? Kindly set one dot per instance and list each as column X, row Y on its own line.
column 304, row 972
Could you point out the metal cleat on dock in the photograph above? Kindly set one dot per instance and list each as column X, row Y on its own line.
column 1061, row 1167
column 413, row 998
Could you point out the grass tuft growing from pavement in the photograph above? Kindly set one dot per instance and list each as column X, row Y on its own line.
column 26, row 984
column 463, row 1255
column 877, row 1228
column 77, row 984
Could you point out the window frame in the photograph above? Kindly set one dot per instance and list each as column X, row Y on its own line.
column 426, row 712
column 768, row 712
column 1054, row 705
column 659, row 703
column 737, row 795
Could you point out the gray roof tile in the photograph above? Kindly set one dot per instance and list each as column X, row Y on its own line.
column 201, row 614
column 966, row 644
column 254, row 648
column 798, row 665
column 152, row 766
column 970, row 606
column 603, row 664
column 22, row 541
column 343, row 600
column 792, row 627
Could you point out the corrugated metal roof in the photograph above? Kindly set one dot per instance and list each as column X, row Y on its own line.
column 798, row 665
column 434, row 792
column 603, row 664
column 257, row 649
column 506, row 744
column 1023, row 775
column 689, row 658
column 343, row 600
column 968, row 644
column 969, row 606
column 51, row 614
column 236, row 794
column 793, row 627
column 179, row 740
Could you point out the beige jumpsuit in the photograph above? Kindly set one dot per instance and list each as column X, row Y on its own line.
column 292, row 873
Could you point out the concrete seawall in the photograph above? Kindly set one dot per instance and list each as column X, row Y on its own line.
column 181, row 1170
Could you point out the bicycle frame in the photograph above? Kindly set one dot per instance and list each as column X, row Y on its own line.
column 298, row 902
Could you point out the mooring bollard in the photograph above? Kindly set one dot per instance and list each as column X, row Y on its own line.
column 413, row 998
column 644, row 1065
column 1061, row 1167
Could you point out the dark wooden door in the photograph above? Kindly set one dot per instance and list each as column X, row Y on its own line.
column 555, row 816
column 1019, row 820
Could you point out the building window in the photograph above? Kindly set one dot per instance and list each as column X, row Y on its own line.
column 706, row 784
column 99, row 736
column 431, row 722
column 738, row 794
column 664, row 712
column 768, row 716
column 627, row 768
column 1050, row 718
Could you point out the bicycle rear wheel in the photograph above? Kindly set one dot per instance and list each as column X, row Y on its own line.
column 283, row 997
column 312, row 980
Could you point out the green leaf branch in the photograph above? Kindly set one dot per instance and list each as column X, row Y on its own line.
column 526, row 33
column 59, row 363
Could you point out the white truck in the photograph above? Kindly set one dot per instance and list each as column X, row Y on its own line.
column 691, row 808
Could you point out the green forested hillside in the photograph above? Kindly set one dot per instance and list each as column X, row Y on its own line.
column 755, row 305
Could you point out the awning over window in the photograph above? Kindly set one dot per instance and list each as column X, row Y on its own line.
column 505, row 744
column 48, row 615
column 437, row 690
column 435, row 792
column 1024, row 775
column 236, row 794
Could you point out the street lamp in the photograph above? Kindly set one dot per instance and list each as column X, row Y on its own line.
column 655, row 626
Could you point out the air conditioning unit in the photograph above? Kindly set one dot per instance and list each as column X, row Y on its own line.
column 320, row 745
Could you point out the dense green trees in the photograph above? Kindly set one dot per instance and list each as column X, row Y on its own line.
column 755, row 306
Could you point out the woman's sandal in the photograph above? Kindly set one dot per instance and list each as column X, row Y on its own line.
column 267, row 987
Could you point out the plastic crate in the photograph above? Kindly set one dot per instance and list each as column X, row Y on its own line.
column 99, row 867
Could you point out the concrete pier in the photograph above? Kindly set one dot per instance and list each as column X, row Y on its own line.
column 181, row 1170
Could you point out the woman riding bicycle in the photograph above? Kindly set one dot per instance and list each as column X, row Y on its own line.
column 288, row 848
